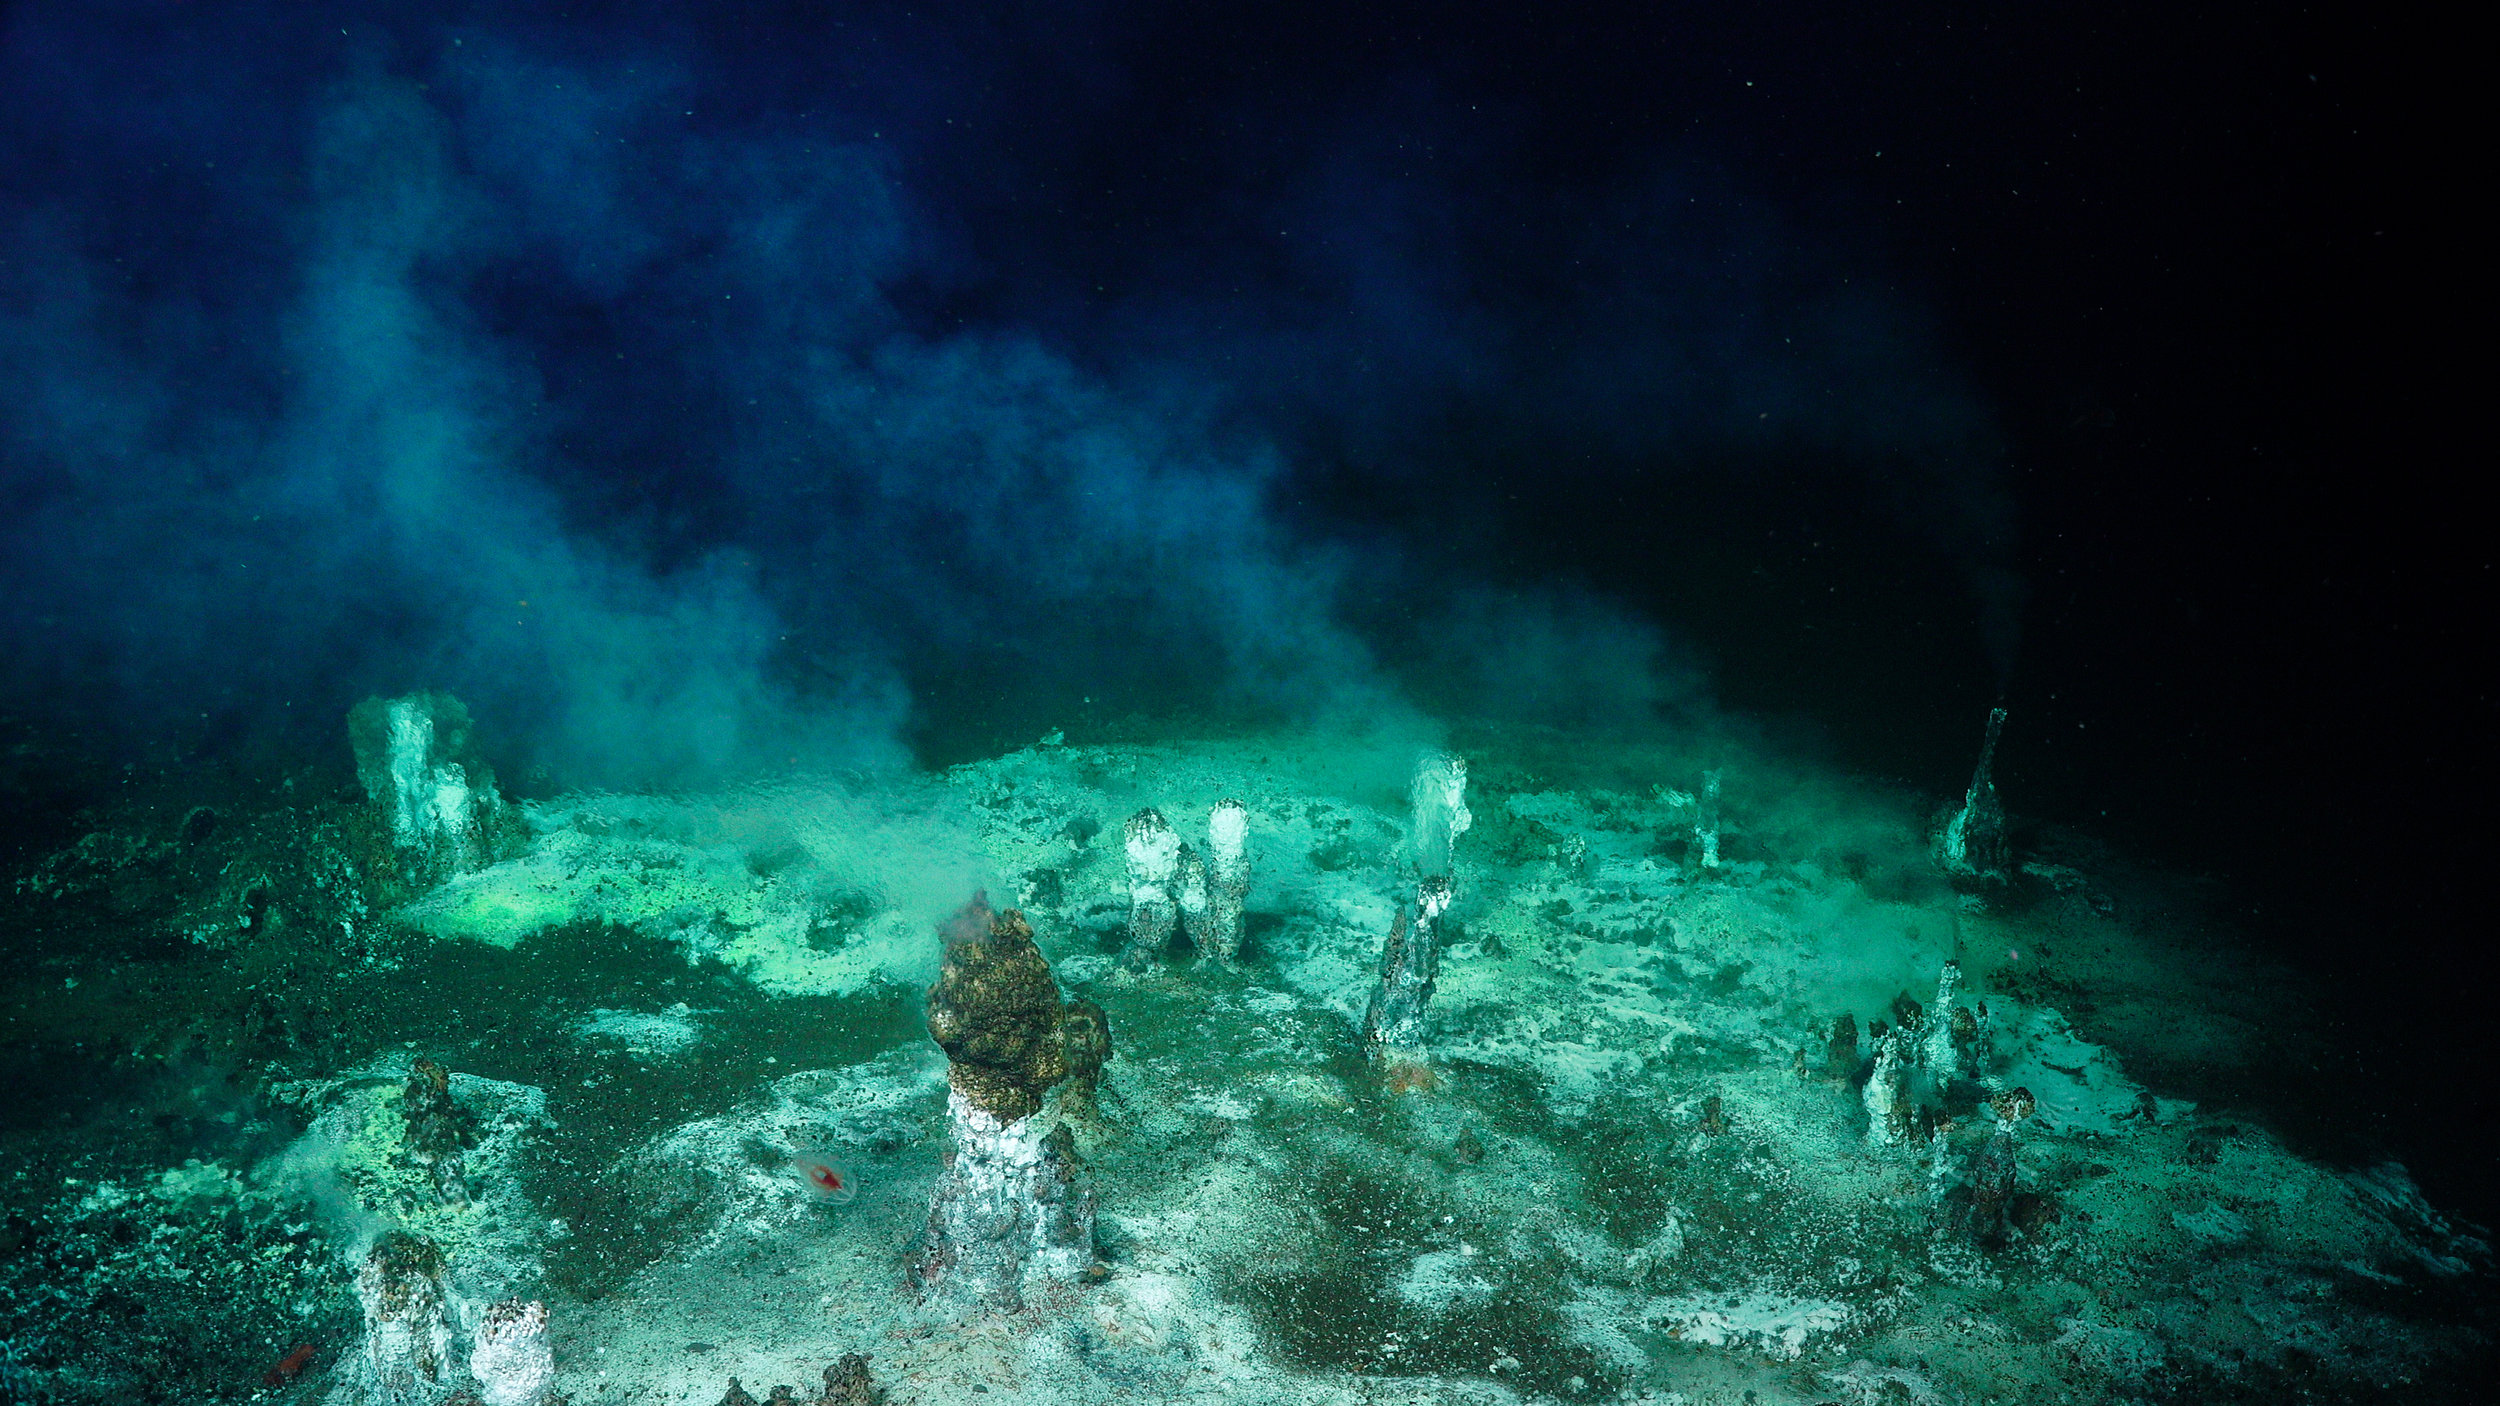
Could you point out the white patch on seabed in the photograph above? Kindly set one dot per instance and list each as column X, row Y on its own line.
column 1767, row 1321
column 1439, row 1280
column 673, row 1031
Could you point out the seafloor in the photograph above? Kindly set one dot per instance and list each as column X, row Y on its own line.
column 1637, row 1170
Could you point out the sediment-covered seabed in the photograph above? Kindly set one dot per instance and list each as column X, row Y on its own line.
column 1696, row 1074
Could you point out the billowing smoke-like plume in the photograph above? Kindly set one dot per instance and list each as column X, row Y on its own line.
column 689, row 404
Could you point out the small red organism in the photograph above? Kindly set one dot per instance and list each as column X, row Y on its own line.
column 827, row 1178
column 288, row 1367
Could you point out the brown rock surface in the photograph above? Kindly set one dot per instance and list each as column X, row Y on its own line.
column 996, row 1012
